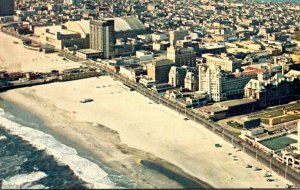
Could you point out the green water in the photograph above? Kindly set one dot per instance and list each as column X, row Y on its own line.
column 184, row 181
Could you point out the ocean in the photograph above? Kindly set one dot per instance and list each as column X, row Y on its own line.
column 32, row 156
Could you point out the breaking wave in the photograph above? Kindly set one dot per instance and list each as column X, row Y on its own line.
column 84, row 169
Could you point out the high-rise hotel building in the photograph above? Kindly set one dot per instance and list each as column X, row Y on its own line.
column 102, row 36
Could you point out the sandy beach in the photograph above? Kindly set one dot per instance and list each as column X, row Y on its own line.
column 122, row 127
column 15, row 58
column 118, row 119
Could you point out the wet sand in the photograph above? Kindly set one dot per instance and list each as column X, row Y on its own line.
column 121, row 128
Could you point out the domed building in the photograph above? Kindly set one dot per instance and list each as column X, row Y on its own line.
column 102, row 35
column 125, row 27
column 129, row 27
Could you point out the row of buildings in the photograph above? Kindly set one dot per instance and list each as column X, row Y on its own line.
column 180, row 46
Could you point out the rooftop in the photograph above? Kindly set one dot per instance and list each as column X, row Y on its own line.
column 128, row 23
column 82, row 26
column 278, row 143
column 212, row 109
column 162, row 62
column 87, row 51
column 56, row 29
column 232, row 103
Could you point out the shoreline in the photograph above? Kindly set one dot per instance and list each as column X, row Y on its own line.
column 189, row 148
column 137, row 122
column 140, row 155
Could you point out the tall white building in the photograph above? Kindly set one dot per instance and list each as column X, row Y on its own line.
column 220, row 85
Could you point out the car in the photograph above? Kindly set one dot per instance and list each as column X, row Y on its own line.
column 185, row 119
column 248, row 166
column 218, row 145
column 270, row 179
column 86, row 100
column 268, row 175
column 257, row 169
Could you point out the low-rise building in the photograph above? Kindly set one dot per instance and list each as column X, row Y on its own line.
column 144, row 55
column 60, row 37
column 229, row 108
column 162, row 87
column 147, row 82
column 187, row 98
column 88, row 54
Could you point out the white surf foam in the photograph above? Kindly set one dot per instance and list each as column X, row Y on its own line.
column 23, row 181
column 3, row 138
column 86, row 170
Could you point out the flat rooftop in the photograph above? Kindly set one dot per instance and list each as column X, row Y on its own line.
column 232, row 103
column 212, row 109
column 162, row 62
column 88, row 51
column 58, row 28
column 278, row 143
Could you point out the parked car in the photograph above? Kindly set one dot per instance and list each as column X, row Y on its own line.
column 86, row 100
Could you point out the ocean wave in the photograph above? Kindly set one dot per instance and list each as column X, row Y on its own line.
column 24, row 181
column 86, row 170
column 3, row 138
column 2, row 112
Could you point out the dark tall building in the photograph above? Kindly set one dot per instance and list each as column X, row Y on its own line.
column 102, row 36
column 6, row 7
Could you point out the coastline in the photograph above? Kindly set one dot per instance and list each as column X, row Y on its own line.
column 121, row 128
column 121, row 138
column 130, row 168
column 109, row 150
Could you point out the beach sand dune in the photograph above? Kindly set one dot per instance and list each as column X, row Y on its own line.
column 122, row 127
